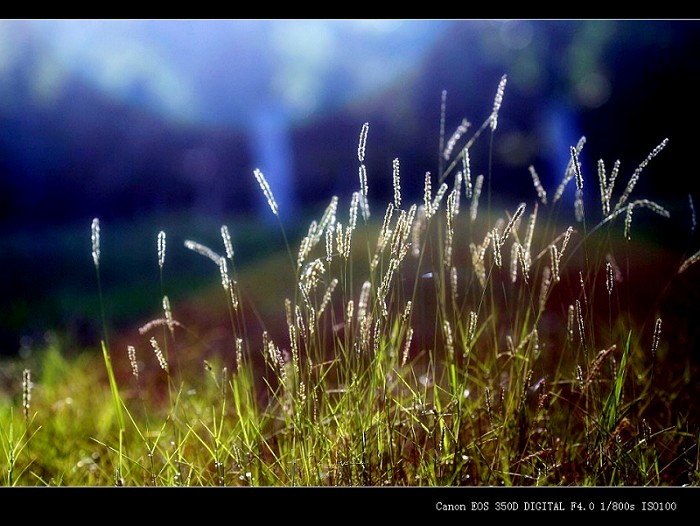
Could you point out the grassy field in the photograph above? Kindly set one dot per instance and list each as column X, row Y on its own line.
column 455, row 341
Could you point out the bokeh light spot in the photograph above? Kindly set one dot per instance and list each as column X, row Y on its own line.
column 516, row 34
column 593, row 90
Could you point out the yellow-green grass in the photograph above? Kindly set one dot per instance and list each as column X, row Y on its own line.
column 446, row 372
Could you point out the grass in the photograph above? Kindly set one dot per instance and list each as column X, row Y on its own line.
column 441, row 343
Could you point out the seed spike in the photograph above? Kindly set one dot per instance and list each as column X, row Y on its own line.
column 161, row 249
column 427, row 196
column 693, row 220
column 498, row 100
column 454, row 139
column 228, row 245
column 96, row 241
column 397, row 184
column 159, row 355
column 362, row 143
column 577, row 168
column 541, row 193
column 569, row 172
column 688, row 262
column 635, row 176
column 657, row 338
column 202, row 250
column 473, row 209
column 266, row 190
column 131, row 353
column 26, row 392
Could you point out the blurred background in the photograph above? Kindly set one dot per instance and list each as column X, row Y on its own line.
column 157, row 125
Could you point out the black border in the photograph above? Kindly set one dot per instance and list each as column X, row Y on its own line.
column 363, row 503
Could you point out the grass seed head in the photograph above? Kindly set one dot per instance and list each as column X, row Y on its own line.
column 544, row 286
column 435, row 205
column 498, row 100
column 202, row 250
column 328, row 218
column 327, row 296
column 579, row 320
column 514, row 257
column 635, row 176
column 95, row 237
column 454, row 139
column 228, row 245
column 577, row 168
column 397, row 184
column 541, row 193
column 362, row 143
column 377, row 336
column 329, row 245
column 266, row 190
column 354, row 204
column 26, row 392
column 362, row 304
column 693, row 219
column 167, row 311
column 161, row 249
column 407, row 346
column 349, row 311
column 131, row 353
column 471, row 328
column 223, row 270
column 569, row 172
column 602, row 180
column 466, row 168
column 688, row 262
column 657, row 338
column 427, row 196
column 449, row 340
column 474, row 208
column 159, row 354
column 578, row 206
column 570, row 324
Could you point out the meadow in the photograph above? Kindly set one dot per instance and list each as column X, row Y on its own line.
column 458, row 340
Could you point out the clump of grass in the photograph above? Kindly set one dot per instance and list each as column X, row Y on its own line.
column 439, row 346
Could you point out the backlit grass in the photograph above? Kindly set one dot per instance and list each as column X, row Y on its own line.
column 444, row 342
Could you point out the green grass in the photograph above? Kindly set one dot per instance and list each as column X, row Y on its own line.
column 448, row 372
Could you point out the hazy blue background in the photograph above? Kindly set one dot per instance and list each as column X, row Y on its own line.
column 159, row 124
